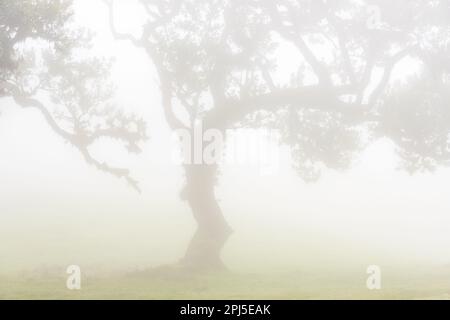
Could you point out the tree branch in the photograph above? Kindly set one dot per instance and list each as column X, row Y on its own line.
column 389, row 67
column 312, row 97
column 117, row 35
column 80, row 142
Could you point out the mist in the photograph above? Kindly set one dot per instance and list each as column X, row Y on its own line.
column 381, row 200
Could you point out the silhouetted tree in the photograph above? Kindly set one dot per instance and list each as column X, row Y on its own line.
column 218, row 59
column 45, row 64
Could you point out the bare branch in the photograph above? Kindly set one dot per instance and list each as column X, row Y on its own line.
column 80, row 142
column 117, row 35
column 388, row 68
column 103, row 166
column 296, row 39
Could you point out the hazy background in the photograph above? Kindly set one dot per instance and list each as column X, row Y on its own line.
column 55, row 210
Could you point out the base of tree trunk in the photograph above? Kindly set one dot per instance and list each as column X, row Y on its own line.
column 202, row 256
column 205, row 248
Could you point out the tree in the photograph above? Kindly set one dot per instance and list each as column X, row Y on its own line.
column 45, row 64
column 218, row 60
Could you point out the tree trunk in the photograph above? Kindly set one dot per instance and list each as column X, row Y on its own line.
column 212, row 230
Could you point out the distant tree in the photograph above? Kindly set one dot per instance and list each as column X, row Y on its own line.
column 46, row 64
column 218, row 59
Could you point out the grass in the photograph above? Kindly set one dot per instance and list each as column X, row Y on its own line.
column 396, row 284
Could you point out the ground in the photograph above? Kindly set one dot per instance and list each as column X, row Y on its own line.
column 396, row 284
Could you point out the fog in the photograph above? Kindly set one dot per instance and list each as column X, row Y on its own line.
column 56, row 209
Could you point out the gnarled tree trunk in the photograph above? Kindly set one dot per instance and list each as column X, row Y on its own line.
column 212, row 229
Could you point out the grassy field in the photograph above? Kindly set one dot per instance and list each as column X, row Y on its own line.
column 173, row 284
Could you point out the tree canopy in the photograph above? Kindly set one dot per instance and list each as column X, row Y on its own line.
column 218, row 59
